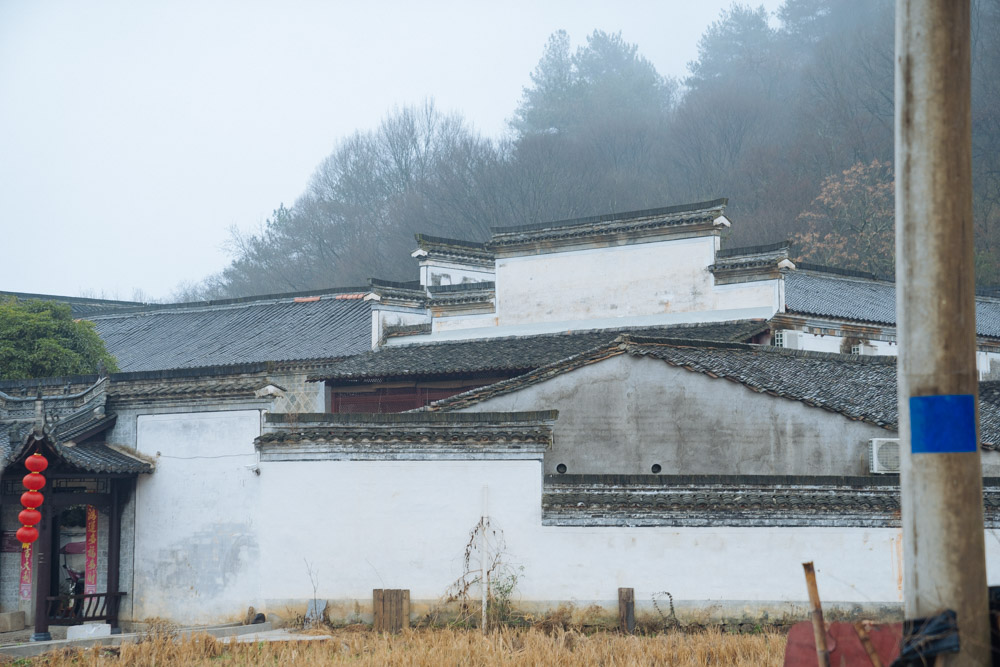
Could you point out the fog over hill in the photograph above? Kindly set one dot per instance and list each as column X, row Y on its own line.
column 791, row 119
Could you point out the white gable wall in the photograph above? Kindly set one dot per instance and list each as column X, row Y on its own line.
column 620, row 281
column 439, row 272
column 624, row 414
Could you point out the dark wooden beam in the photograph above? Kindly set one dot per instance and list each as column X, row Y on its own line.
column 114, row 547
column 43, row 578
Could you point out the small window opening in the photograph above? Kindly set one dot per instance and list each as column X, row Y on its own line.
column 656, row 468
column 778, row 340
column 855, row 349
column 561, row 468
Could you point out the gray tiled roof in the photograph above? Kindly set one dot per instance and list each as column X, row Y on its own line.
column 92, row 456
column 511, row 354
column 861, row 388
column 706, row 210
column 96, row 457
column 648, row 221
column 71, row 425
column 858, row 387
column 989, row 409
column 812, row 292
column 99, row 457
column 468, row 252
column 277, row 329
column 79, row 306
column 647, row 500
column 844, row 297
column 403, row 436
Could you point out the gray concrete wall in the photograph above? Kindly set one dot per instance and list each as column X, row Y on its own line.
column 10, row 562
column 624, row 414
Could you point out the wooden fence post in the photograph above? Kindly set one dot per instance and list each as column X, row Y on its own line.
column 626, row 610
column 391, row 609
column 819, row 627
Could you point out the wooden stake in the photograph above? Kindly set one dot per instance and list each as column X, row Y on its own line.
column 866, row 641
column 626, row 610
column 819, row 627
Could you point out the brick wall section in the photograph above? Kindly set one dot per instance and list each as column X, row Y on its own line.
column 299, row 396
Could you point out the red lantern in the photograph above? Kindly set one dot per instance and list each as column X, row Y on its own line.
column 29, row 517
column 26, row 535
column 33, row 481
column 36, row 463
column 31, row 499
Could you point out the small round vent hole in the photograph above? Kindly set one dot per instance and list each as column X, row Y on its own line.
column 561, row 468
column 656, row 468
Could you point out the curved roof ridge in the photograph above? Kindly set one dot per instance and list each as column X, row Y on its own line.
column 616, row 217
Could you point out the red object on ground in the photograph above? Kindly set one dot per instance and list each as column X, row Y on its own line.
column 843, row 644
column 26, row 535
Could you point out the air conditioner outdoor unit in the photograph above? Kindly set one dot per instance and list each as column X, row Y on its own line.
column 883, row 455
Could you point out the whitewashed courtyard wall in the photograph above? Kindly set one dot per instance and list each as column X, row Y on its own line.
column 212, row 538
column 197, row 543
column 406, row 524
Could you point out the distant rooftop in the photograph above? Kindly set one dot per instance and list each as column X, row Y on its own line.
column 859, row 387
column 852, row 295
column 510, row 354
column 80, row 306
column 240, row 331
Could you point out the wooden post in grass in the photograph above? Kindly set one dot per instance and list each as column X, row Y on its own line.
column 819, row 627
column 626, row 610
column 391, row 609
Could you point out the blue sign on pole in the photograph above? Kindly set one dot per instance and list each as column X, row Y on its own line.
column 943, row 424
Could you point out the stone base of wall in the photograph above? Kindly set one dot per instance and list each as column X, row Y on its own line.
column 652, row 614
column 12, row 621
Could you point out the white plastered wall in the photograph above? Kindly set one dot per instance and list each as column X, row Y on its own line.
column 802, row 340
column 438, row 272
column 385, row 316
column 406, row 524
column 197, row 516
column 213, row 538
column 462, row 322
column 987, row 363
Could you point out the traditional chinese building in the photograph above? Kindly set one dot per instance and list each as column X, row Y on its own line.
column 626, row 402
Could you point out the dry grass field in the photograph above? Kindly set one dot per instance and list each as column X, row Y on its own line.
column 441, row 647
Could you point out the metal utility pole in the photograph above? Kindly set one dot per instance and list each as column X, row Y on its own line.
column 941, row 479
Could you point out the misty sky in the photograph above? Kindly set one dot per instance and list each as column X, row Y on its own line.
column 134, row 134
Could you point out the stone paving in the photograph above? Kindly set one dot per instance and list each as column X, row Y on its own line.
column 24, row 636
column 280, row 635
column 25, row 648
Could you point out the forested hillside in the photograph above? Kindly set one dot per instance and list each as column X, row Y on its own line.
column 791, row 118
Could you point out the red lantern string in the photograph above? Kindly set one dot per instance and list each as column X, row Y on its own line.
column 31, row 499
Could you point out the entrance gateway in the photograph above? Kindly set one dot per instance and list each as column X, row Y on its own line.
column 72, row 573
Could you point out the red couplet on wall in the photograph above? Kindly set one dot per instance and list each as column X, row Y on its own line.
column 24, row 591
column 90, row 572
